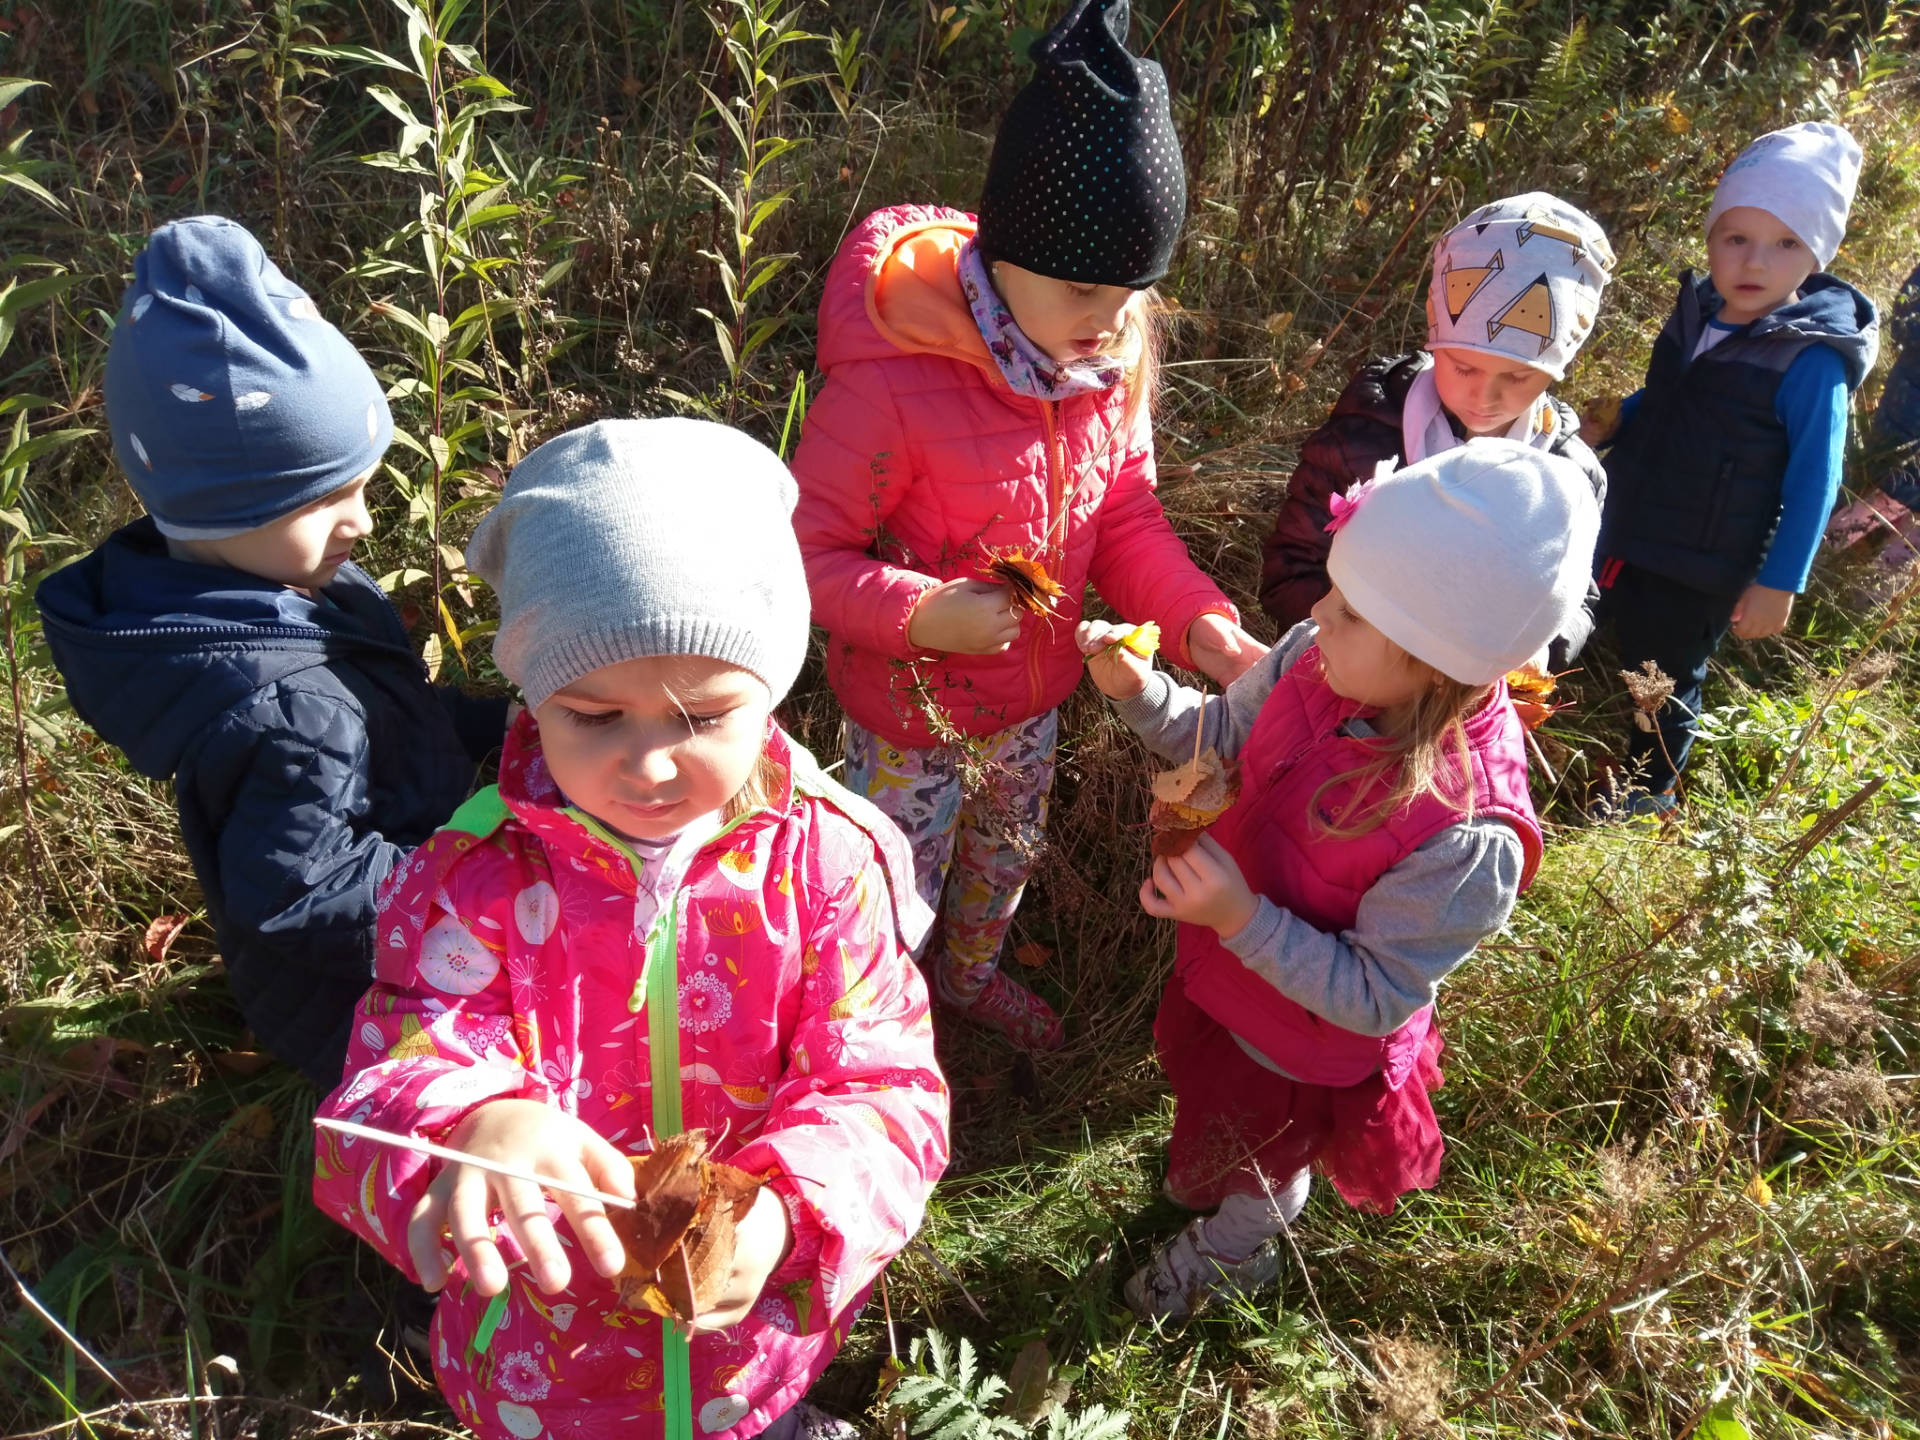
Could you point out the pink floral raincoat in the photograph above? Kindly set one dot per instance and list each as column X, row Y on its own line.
column 509, row 966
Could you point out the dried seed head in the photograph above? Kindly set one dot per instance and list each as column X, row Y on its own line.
column 1847, row 1094
column 1628, row 1180
column 1832, row 1010
column 1650, row 686
column 1411, row 1381
column 1869, row 670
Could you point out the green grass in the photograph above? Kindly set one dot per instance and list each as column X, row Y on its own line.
column 1681, row 1195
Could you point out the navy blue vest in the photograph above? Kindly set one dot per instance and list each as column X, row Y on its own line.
column 1693, row 481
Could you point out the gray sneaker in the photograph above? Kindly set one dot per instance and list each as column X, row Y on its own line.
column 1184, row 1275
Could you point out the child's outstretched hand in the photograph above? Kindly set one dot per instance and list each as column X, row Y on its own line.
column 965, row 617
column 1221, row 650
column 1600, row 419
column 760, row 1245
column 1202, row 886
column 532, row 1136
column 1116, row 671
column 1761, row 611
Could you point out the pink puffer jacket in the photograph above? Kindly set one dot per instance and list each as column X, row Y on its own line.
column 917, row 464
column 510, row 965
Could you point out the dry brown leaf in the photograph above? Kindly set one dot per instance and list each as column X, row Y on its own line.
column 1189, row 798
column 1027, row 581
column 162, row 931
column 1033, row 956
column 679, row 1235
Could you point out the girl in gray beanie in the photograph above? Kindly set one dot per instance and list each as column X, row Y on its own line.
column 663, row 918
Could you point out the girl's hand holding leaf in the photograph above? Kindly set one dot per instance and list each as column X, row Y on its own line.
column 462, row 1199
column 1201, row 886
column 1114, row 659
column 965, row 617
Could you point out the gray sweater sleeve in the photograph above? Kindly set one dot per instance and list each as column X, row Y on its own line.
column 1163, row 715
column 1420, row 919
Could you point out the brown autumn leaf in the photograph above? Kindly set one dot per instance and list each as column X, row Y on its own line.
column 1531, row 692
column 162, row 931
column 1032, row 955
column 1027, row 580
column 666, row 1190
column 679, row 1235
column 1189, row 798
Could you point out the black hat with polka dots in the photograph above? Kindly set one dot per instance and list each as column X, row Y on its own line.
column 1086, row 182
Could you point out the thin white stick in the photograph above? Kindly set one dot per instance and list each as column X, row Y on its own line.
column 1199, row 728
column 67, row 1335
column 460, row 1157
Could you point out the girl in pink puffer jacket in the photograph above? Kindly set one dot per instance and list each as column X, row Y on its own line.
column 663, row 917
column 986, row 396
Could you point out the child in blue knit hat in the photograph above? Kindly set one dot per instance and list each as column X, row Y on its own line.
column 227, row 641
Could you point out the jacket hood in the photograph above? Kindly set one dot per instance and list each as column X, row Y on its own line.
column 1829, row 311
column 154, row 649
column 895, row 287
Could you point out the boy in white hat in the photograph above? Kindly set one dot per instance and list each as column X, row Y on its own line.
column 1726, row 462
column 1515, row 291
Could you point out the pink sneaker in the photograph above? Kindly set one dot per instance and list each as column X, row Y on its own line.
column 1015, row 1011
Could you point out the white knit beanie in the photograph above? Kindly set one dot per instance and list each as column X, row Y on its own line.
column 1520, row 278
column 1804, row 176
column 645, row 537
column 1473, row 559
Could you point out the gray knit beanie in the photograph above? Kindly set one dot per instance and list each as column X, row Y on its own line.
column 645, row 537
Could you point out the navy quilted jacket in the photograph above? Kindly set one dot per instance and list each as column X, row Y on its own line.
column 307, row 750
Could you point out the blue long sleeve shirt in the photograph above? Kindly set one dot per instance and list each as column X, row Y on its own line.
column 1812, row 403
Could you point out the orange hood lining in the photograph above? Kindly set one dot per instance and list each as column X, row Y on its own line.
column 914, row 299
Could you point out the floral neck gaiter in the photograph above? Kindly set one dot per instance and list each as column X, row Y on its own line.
column 1028, row 369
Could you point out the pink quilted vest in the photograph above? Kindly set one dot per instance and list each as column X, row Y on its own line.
column 1295, row 748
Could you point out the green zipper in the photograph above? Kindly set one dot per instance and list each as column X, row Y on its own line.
column 658, row 992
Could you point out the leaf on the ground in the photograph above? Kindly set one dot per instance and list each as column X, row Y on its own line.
column 93, row 1058
column 243, row 1063
column 1027, row 1398
column 23, row 1125
column 162, row 931
column 679, row 1237
column 1032, row 955
column 252, row 1122
column 1759, row 1191
column 1722, row 1422
column 1590, row 1237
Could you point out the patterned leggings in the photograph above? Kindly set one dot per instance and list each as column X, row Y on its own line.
column 976, row 816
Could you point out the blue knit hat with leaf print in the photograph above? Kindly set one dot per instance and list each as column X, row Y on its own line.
column 231, row 401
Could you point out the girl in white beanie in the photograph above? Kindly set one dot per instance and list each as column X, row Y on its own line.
column 1725, row 464
column 1382, row 829
column 1514, row 293
column 664, row 918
